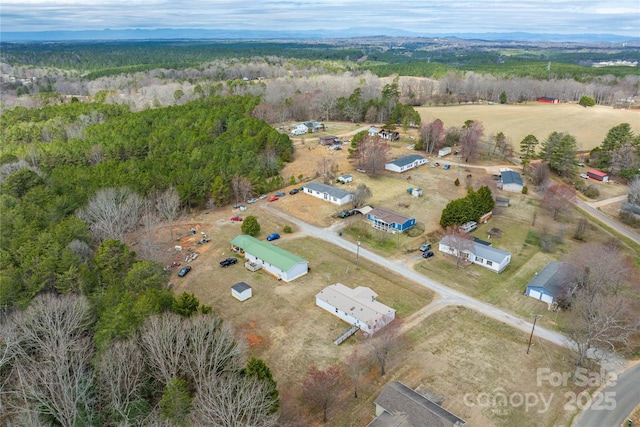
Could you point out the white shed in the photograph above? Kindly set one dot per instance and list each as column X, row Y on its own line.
column 241, row 291
column 345, row 179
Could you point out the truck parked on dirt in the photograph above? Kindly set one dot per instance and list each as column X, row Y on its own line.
column 444, row 151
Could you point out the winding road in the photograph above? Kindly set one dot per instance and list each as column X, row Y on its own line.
column 626, row 391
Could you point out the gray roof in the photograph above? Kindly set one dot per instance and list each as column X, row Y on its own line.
column 487, row 252
column 411, row 409
column 511, row 177
column 407, row 160
column 324, row 188
column 240, row 287
column 550, row 278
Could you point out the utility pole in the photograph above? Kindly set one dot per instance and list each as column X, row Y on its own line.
column 357, row 251
column 535, row 318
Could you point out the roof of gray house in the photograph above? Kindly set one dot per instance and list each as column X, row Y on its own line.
column 406, row 160
column 411, row 409
column 511, row 177
column 550, row 277
column 487, row 252
column 240, row 287
column 324, row 188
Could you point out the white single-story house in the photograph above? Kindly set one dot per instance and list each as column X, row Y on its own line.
column 481, row 254
column 405, row 163
column 314, row 126
column 282, row 264
column 241, row 291
column 300, row 129
column 373, row 131
column 511, row 181
column 401, row 406
column 388, row 220
column 546, row 285
column 345, row 179
column 326, row 192
column 358, row 307
column 389, row 134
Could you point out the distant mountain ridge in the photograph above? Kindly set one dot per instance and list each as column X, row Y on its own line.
column 187, row 33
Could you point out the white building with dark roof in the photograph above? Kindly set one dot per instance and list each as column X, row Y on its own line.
column 358, row 307
column 547, row 284
column 326, row 192
column 406, row 163
column 511, row 181
column 479, row 253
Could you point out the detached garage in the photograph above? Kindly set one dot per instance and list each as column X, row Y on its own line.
column 597, row 175
column 547, row 284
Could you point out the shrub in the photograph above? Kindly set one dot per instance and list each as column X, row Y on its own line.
column 525, row 189
column 287, row 229
column 456, row 182
column 591, row 192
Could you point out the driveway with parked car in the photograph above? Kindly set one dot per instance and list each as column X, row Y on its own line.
column 229, row 261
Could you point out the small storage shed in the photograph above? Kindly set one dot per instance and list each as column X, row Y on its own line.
column 345, row 179
column 597, row 175
column 241, row 291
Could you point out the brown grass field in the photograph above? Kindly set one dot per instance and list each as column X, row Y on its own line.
column 454, row 352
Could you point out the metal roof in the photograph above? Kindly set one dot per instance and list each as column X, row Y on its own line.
column 324, row 188
column 268, row 252
column 511, row 177
column 240, row 287
column 406, row 160
column 388, row 216
column 551, row 277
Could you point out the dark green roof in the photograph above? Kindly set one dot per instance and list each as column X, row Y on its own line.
column 267, row 252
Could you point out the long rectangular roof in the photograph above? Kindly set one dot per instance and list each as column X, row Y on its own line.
column 359, row 302
column 407, row 160
column 272, row 254
column 389, row 216
column 338, row 193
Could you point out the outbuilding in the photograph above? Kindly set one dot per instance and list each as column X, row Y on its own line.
column 241, row 291
column 282, row 264
column 326, row 192
column 405, row 163
column 597, row 175
column 345, row 179
column 547, row 284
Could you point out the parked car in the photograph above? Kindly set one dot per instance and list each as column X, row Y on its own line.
column 447, row 166
column 273, row 236
column 236, row 219
column 229, row 261
column 184, row 270
column 272, row 199
column 253, row 200
column 280, row 194
column 425, row 247
column 581, row 165
column 427, row 254
column 345, row 214
column 263, row 196
column 362, row 170
column 584, row 175
column 468, row 227
column 294, row 191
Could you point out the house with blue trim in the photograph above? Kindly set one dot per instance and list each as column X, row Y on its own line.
column 547, row 284
column 406, row 163
column 390, row 221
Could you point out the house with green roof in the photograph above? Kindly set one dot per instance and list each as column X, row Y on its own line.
column 282, row 264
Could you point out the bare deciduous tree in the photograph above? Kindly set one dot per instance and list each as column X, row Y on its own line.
column 229, row 401
column 432, row 135
column 625, row 157
column 168, row 206
column 633, row 191
column 320, row 388
column 470, row 135
column 459, row 241
column 48, row 361
column 356, row 366
column 164, row 341
column 385, row 344
column 539, row 173
column 111, row 213
column 557, row 198
column 361, row 195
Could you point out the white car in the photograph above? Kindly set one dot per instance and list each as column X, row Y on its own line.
column 584, row 175
column 252, row 200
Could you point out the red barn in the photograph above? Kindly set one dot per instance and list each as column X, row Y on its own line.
column 597, row 175
column 549, row 100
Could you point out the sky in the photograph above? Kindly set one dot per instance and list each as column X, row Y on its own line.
column 619, row 17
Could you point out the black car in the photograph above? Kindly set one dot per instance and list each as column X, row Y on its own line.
column 184, row 270
column 345, row 214
column 294, row 191
column 229, row 261
column 427, row 254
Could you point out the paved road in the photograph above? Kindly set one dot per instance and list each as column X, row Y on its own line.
column 448, row 295
column 613, row 404
column 591, row 209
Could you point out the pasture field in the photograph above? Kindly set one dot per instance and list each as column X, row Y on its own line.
column 588, row 125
